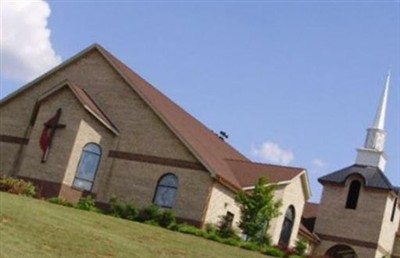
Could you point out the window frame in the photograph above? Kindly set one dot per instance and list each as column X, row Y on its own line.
column 394, row 209
column 80, row 163
column 166, row 186
column 229, row 218
column 288, row 221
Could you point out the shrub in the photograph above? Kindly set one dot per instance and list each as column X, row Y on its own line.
column 275, row 252
column 60, row 201
column 17, row 186
column 151, row 222
column 210, row 228
column 250, row 246
column 147, row 213
column 225, row 229
column 184, row 228
column 231, row 241
column 212, row 236
column 122, row 210
column 301, row 247
column 87, row 203
column 174, row 226
column 166, row 218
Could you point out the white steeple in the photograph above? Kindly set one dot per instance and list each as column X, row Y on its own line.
column 372, row 153
column 379, row 121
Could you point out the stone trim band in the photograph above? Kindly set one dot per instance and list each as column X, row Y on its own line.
column 366, row 244
column 13, row 139
column 156, row 160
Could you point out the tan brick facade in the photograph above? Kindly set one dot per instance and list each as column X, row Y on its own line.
column 367, row 229
column 140, row 132
column 291, row 194
column 222, row 200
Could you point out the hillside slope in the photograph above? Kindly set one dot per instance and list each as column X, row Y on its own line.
column 34, row 228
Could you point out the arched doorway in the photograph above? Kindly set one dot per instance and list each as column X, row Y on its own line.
column 287, row 227
column 341, row 251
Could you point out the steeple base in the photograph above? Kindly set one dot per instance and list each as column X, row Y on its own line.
column 372, row 158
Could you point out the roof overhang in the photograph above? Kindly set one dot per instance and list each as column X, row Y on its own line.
column 73, row 88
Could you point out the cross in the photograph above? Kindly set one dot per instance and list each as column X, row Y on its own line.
column 48, row 132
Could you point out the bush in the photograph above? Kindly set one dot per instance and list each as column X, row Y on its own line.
column 275, row 252
column 288, row 251
column 231, row 241
column 87, row 203
column 60, row 201
column 166, row 218
column 210, row 228
column 122, row 210
column 212, row 236
column 250, row 246
column 301, row 247
column 225, row 229
column 147, row 213
column 184, row 228
column 17, row 186
column 174, row 226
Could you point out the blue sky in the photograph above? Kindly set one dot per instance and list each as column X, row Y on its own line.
column 293, row 83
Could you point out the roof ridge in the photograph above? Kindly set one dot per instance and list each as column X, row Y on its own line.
column 265, row 164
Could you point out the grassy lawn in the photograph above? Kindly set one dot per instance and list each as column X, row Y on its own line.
column 34, row 228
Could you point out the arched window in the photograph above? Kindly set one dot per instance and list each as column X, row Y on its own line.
column 287, row 227
column 166, row 191
column 352, row 197
column 341, row 251
column 87, row 167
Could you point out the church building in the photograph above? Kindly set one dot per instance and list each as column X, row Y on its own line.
column 93, row 126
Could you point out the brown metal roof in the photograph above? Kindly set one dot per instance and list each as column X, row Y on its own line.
column 310, row 210
column 221, row 159
column 248, row 172
column 201, row 140
column 86, row 101
column 309, row 216
column 308, row 234
column 307, row 224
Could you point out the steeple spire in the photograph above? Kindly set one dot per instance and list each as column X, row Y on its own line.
column 372, row 153
column 379, row 121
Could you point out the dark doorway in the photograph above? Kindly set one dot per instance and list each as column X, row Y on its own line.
column 341, row 251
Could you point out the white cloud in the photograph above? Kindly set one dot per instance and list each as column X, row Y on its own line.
column 26, row 50
column 319, row 163
column 272, row 152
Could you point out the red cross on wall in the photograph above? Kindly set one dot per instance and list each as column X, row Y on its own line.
column 48, row 132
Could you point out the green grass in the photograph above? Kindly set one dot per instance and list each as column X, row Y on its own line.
column 35, row 228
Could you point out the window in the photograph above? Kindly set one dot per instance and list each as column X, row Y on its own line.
column 287, row 227
column 87, row 167
column 352, row 197
column 341, row 251
column 166, row 191
column 229, row 219
column 393, row 210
